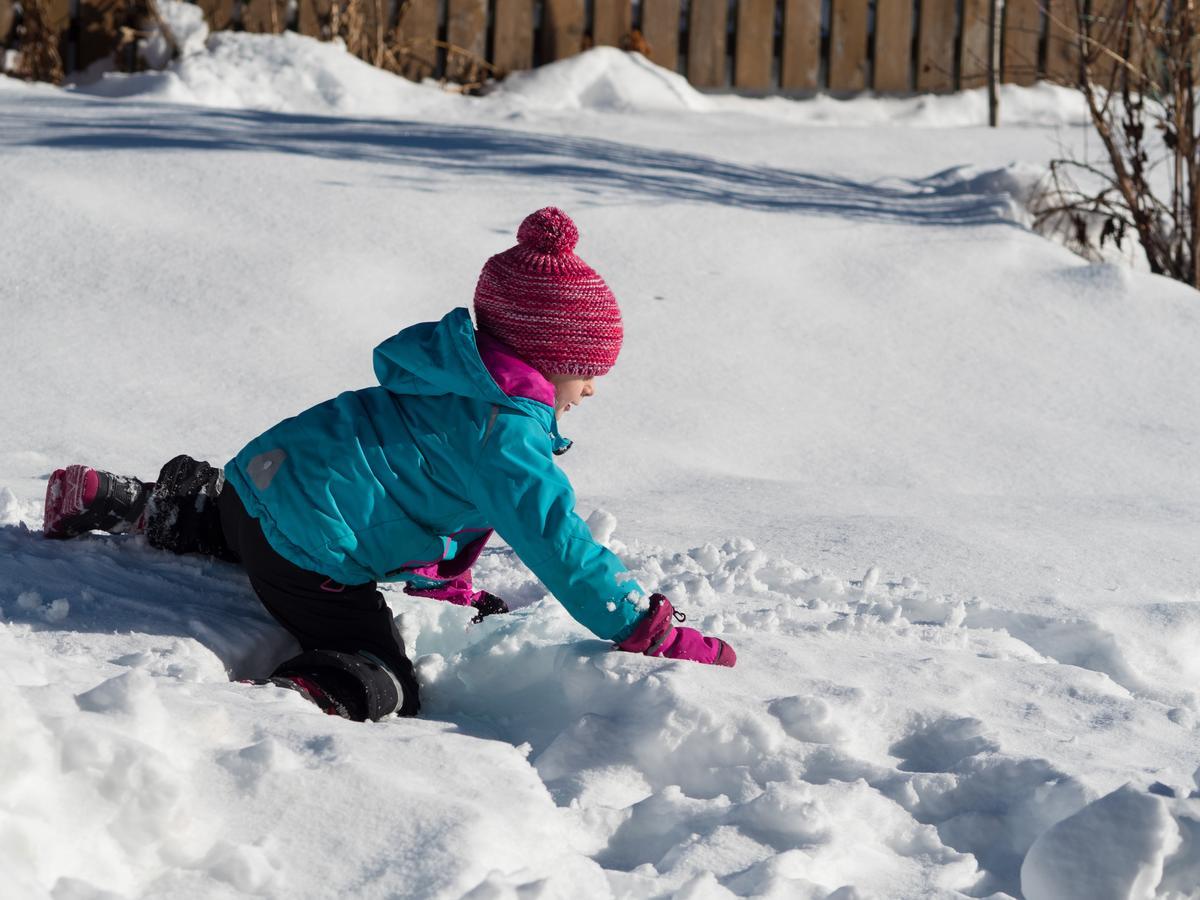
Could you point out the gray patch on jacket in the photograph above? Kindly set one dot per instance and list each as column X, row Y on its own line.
column 262, row 468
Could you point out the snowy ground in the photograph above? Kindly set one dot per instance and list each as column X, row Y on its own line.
column 931, row 475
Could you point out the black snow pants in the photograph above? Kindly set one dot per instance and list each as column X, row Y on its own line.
column 320, row 613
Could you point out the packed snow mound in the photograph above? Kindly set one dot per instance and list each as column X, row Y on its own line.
column 1133, row 844
column 801, row 773
column 603, row 79
column 275, row 73
column 187, row 28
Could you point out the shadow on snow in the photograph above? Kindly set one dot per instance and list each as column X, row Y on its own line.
column 451, row 150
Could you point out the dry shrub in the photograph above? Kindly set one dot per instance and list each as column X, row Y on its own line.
column 363, row 27
column 635, row 42
column 1137, row 74
column 39, row 42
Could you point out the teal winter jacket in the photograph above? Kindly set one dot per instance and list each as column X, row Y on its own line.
column 379, row 482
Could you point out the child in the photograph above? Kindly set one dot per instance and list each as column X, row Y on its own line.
column 406, row 481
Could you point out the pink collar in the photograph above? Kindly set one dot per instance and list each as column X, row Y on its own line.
column 513, row 375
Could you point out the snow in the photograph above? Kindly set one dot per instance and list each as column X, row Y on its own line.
column 1127, row 844
column 929, row 474
column 293, row 73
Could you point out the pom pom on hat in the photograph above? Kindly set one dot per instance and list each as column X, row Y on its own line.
column 547, row 303
column 548, row 230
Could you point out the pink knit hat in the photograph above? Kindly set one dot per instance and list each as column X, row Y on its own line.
column 547, row 303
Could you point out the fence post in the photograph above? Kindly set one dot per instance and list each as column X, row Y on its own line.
column 994, row 62
column 562, row 29
column 417, row 34
column 7, row 16
column 1022, row 28
column 974, row 58
column 466, row 30
column 1062, row 42
column 217, row 13
column 755, row 45
column 612, row 20
column 800, row 65
column 706, row 43
column 893, row 45
column 848, row 45
column 264, row 16
column 660, row 28
column 513, row 42
column 311, row 15
column 1109, row 29
column 935, row 46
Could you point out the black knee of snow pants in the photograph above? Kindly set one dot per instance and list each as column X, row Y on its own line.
column 319, row 612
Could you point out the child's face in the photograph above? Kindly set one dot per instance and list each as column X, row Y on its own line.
column 569, row 390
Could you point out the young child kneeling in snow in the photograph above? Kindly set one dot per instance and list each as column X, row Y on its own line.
column 406, row 481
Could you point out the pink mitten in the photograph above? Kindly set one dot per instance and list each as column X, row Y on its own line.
column 460, row 592
column 657, row 635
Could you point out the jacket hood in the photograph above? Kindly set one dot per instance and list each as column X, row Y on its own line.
column 433, row 359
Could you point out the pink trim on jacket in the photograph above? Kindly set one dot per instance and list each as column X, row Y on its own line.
column 514, row 376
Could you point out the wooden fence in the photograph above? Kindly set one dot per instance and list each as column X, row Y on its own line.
column 778, row 46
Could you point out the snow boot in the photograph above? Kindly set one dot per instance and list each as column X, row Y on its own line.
column 80, row 499
column 332, row 702
column 355, row 686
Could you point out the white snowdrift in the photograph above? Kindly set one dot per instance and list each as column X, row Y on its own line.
column 1129, row 845
column 604, row 79
column 285, row 73
column 965, row 606
column 779, row 781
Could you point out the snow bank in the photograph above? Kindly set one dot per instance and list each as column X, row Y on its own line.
column 1129, row 845
column 278, row 73
column 292, row 73
column 1042, row 105
column 800, row 773
column 603, row 79
column 188, row 31
column 964, row 610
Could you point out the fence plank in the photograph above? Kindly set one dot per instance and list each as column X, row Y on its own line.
column 893, row 45
column 99, row 21
column 265, row 16
column 848, row 45
column 754, row 51
column 800, row 61
column 376, row 16
column 58, row 19
column 1062, row 42
column 935, row 46
column 562, row 29
column 1109, row 27
column 466, row 30
column 416, row 36
column 7, row 16
column 660, row 28
column 217, row 13
column 312, row 18
column 612, row 20
column 706, row 43
column 1022, row 27
column 1146, row 32
column 513, row 41
column 973, row 56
